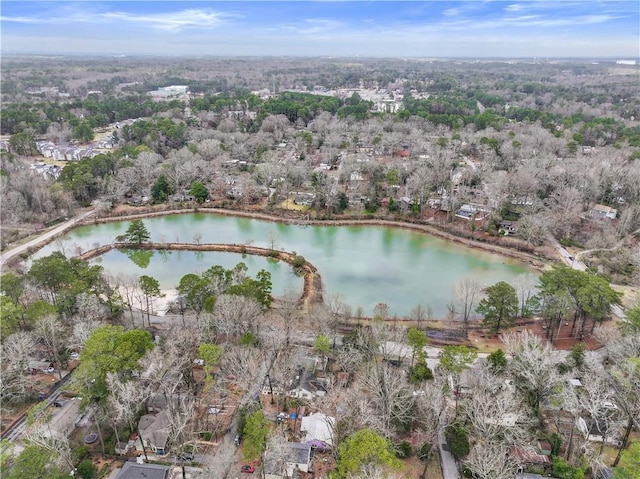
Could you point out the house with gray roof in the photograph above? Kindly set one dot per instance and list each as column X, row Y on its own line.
column 298, row 459
column 134, row 470
column 154, row 431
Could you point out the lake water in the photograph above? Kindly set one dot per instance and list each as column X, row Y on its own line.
column 366, row 265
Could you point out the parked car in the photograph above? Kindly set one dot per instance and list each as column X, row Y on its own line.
column 237, row 440
column 248, row 469
column 58, row 403
column 48, row 370
column 187, row 456
column 74, row 356
column 214, row 410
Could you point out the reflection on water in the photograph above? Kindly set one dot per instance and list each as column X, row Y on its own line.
column 367, row 265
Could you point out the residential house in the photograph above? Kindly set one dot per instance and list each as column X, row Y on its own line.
column 603, row 212
column 404, row 152
column 597, row 430
column 134, row 470
column 305, row 385
column 298, row 458
column 319, row 430
column 406, row 203
column 154, row 431
column 167, row 92
column 507, row 228
column 466, row 211
column 304, row 199
column 179, row 197
column 48, row 172
column 356, row 177
column 137, row 200
column 526, row 457
column 159, row 402
column 463, row 384
column 469, row 212
column 105, row 144
column 434, row 203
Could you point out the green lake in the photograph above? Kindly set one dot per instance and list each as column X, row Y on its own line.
column 366, row 265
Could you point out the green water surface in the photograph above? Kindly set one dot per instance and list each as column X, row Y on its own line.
column 366, row 265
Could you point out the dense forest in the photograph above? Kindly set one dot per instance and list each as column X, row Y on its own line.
column 515, row 154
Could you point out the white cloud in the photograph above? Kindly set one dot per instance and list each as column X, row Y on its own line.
column 170, row 21
column 515, row 7
column 166, row 21
column 21, row 19
column 451, row 12
column 310, row 26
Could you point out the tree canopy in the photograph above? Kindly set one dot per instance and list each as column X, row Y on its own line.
column 137, row 233
column 630, row 463
column 500, row 307
column 60, row 279
column 198, row 289
column 255, row 436
column 590, row 295
column 364, row 447
column 199, row 192
column 109, row 349
column 161, row 189
column 35, row 462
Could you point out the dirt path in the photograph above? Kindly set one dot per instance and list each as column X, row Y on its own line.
column 535, row 261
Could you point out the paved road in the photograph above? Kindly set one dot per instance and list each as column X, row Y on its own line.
column 14, row 432
column 566, row 257
column 579, row 265
column 44, row 236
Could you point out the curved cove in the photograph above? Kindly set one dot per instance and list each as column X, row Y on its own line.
column 169, row 266
column 365, row 265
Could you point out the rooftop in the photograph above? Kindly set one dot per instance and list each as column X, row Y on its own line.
column 133, row 470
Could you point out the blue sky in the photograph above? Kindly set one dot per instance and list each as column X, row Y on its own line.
column 471, row 28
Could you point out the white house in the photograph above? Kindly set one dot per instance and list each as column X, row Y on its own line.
column 603, row 212
column 318, row 428
column 298, row 459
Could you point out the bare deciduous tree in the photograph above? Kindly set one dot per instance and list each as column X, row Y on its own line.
column 234, row 315
column 467, row 290
column 277, row 454
column 39, row 433
column 390, row 398
column 490, row 460
column 124, row 401
column 239, row 364
column 15, row 384
column 533, row 365
column 51, row 332
column 493, row 411
column 431, row 411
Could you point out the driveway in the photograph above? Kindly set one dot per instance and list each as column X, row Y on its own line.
column 224, row 464
column 448, row 463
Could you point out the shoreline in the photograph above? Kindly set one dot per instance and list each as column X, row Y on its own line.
column 312, row 285
column 535, row 261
